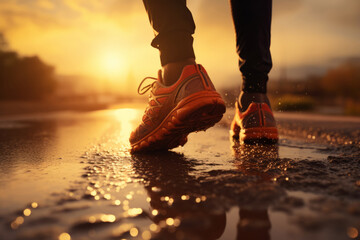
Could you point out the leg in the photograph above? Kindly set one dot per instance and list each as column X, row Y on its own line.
column 252, row 20
column 173, row 26
column 253, row 224
column 183, row 100
column 253, row 119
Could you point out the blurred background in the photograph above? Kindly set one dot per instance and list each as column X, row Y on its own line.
column 91, row 54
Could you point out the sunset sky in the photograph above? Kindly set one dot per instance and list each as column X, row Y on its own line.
column 111, row 38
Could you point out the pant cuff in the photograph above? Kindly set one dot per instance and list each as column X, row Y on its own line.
column 254, row 84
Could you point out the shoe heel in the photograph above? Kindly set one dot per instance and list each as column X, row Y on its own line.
column 201, row 112
column 259, row 135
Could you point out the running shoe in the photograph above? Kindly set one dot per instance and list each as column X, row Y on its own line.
column 255, row 124
column 191, row 104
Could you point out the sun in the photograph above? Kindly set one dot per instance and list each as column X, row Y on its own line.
column 112, row 64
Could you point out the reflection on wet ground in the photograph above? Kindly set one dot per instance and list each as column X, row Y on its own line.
column 80, row 182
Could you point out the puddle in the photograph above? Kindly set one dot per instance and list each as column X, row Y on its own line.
column 206, row 190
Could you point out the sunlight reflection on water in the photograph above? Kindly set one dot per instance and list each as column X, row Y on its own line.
column 193, row 192
column 127, row 118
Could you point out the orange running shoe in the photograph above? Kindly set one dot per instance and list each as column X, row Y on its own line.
column 256, row 124
column 191, row 104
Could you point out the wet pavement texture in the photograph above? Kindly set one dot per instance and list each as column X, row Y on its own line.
column 70, row 175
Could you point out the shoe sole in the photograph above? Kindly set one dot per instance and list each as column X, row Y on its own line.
column 197, row 112
column 259, row 135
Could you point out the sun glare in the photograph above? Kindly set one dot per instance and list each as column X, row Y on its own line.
column 127, row 117
column 112, row 64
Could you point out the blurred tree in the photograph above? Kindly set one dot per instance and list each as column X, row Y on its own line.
column 24, row 78
column 344, row 80
column 3, row 43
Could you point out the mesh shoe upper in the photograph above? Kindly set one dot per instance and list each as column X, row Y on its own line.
column 255, row 123
column 163, row 99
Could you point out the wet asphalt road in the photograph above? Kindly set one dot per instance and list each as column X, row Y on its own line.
column 70, row 175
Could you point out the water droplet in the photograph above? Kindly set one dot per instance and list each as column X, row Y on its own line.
column 134, row 232
column 64, row 236
column 34, row 204
column 177, row 222
column 352, row 232
column 107, row 196
column 17, row 222
column 133, row 212
column 170, row 221
column 27, row 212
column 171, row 201
column 185, row 197
column 154, row 212
column 107, row 218
column 92, row 219
column 357, row 183
column 153, row 227
column 146, row 235
column 155, row 189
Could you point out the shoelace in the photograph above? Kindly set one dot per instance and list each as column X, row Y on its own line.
column 143, row 90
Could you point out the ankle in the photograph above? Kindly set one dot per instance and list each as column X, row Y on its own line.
column 245, row 99
column 172, row 71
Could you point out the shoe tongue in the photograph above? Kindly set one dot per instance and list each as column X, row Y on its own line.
column 160, row 79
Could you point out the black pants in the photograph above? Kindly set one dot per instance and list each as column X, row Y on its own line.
column 174, row 25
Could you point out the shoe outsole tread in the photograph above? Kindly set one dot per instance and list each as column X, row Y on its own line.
column 196, row 113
